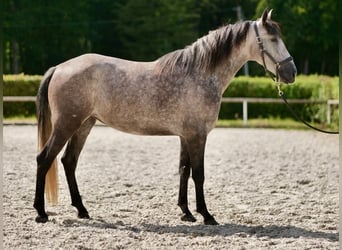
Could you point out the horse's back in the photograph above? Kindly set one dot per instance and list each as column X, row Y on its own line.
column 96, row 61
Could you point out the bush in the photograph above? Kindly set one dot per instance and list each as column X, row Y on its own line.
column 314, row 87
column 20, row 85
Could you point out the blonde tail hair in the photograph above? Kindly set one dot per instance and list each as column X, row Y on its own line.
column 44, row 132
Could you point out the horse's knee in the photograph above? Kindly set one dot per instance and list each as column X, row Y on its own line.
column 184, row 171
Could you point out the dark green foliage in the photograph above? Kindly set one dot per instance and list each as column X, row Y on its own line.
column 39, row 34
column 150, row 29
column 20, row 85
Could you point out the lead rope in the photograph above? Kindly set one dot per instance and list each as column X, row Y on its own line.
column 282, row 95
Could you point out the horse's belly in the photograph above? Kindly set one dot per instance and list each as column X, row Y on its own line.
column 141, row 125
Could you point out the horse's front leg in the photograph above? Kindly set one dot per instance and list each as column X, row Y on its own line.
column 196, row 152
column 184, row 172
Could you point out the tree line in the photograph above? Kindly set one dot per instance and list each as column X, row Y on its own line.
column 39, row 34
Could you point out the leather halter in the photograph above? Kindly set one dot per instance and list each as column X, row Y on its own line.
column 265, row 52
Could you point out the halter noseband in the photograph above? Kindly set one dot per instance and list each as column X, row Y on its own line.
column 264, row 51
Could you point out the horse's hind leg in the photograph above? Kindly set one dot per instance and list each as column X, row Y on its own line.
column 184, row 172
column 45, row 158
column 69, row 161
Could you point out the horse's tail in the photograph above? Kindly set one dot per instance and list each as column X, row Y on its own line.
column 44, row 132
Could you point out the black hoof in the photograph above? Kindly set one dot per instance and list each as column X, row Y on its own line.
column 41, row 219
column 83, row 216
column 210, row 221
column 188, row 217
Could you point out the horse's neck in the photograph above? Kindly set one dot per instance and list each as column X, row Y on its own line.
column 226, row 71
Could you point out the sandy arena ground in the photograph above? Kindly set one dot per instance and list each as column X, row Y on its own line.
column 268, row 189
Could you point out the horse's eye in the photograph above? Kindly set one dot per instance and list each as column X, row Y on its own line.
column 274, row 40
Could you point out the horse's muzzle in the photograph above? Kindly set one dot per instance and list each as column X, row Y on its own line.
column 287, row 72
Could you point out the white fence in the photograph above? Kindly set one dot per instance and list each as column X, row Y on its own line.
column 19, row 99
column 246, row 100
column 243, row 100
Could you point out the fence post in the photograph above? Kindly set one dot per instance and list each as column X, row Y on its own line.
column 244, row 112
column 328, row 112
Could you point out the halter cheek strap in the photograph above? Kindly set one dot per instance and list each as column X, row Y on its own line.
column 265, row 52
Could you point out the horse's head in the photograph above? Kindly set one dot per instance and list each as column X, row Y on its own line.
column 270, row 51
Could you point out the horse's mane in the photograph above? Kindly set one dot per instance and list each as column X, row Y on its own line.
column 208, row 51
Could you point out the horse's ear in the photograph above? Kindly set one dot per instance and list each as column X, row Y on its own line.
column 265, row 15
column 269, row 15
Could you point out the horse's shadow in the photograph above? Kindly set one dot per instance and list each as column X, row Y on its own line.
column 271, row 231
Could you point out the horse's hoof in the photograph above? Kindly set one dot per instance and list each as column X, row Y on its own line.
column 210, row 221
column 188, row 217
column 41, row 219
column 83, row 216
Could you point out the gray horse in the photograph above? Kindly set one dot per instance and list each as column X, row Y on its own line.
column 178, row 94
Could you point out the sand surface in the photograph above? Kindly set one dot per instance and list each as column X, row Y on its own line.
column 268, row 189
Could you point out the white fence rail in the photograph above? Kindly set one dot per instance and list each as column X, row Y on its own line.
column 19, row 99
column 246, row 100
column 243, row 100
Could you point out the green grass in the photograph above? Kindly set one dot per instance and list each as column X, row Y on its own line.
column 275, row 123
column 20, row 120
